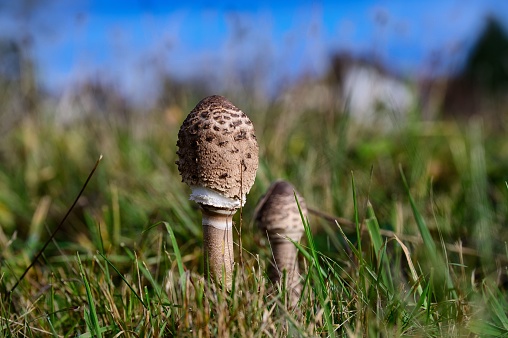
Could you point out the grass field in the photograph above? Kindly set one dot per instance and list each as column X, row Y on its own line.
column 419, row 248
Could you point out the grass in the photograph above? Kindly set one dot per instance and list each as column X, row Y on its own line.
column 424, row 253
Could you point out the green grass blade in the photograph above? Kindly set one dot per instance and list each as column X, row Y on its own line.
column 428, row 241
column 315, row 261
column 420, row 222
column 421, row 304
column 498, row 308
column 124, row 280
column 373, row 228
column 178, row 257
column 102, row 330
column 51, row 327
column 356, row 215
column 176, row 249
column 93, row 325
column 379, row 247
column 308, row 256
column 486, row 329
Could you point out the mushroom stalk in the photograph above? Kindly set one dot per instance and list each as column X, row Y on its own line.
column 218, row 246
column 278, row 216
column 285, row 257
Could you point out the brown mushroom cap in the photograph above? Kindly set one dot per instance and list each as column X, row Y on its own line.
column 218, row 148
column 277, row 212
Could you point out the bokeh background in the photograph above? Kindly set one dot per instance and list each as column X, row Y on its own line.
column 332, row 88
column 392, row 114
column 392, row 53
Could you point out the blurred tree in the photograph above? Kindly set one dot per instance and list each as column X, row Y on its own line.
column 18, row 86
column 10, row 60
column 481, row 87
column 487, row 64
column 19, row 92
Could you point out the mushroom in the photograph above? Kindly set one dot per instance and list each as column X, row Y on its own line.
column 278, row 216
column 218, row 159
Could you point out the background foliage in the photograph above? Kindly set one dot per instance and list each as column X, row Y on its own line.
column 419, row 247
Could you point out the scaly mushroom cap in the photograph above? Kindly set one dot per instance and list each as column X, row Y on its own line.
column 277, row 212
column 218, row 152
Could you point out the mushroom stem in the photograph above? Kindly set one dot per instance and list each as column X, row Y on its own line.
column 278, row 215
column 218, row 246
column 284, row 258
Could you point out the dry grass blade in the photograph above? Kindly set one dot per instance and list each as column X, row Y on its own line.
column 347, row 224
column 7, row 295
column 414, row 274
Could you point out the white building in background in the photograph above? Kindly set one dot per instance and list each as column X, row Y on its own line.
column 372, row 96
column 361, row 89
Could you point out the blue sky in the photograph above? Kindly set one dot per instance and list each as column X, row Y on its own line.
column 131, row 43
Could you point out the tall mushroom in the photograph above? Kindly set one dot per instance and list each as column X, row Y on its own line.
column 277, row 215
column 218, row 159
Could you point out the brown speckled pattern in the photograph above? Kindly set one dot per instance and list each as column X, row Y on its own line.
column 277, row 212
column 218, row 148
column 277, row 215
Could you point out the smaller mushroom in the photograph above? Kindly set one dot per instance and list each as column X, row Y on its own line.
column 278, row 216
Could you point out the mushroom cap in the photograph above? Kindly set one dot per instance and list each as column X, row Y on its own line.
column 218, row 150
column 277, row 211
